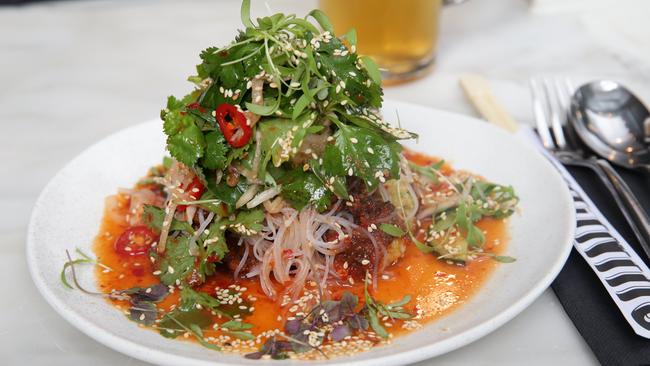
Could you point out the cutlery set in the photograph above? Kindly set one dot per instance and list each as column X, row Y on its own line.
column 605, row 117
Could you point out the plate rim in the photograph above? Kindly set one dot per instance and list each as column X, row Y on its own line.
column 161, row 356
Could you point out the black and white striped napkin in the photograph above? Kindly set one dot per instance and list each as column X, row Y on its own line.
column 605, row 285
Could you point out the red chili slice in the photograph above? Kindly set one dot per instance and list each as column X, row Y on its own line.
column 213, row 259
column 197, row 106
column 195, row 190
column 233, row 125
column 135, row 240
column 287, row 253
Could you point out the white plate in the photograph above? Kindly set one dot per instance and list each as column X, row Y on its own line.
column 69, row 210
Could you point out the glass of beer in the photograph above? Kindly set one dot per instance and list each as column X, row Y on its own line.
column 400, row 35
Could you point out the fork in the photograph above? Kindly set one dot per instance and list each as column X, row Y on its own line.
column 618, row 267
column 550, row 97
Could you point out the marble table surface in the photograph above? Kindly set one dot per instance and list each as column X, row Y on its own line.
column 72, row 72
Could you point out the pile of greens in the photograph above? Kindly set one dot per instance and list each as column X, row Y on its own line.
column 314, row 84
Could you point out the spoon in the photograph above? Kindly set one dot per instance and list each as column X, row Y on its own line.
column 615, row 124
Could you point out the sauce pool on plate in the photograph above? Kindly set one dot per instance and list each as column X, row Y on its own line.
column 436, row 287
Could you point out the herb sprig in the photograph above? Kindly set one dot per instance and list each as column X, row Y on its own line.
column 453, row 234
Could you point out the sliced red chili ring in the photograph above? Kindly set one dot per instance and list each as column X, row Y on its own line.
column 233, row 125
column 135, row 240
column 195, row 190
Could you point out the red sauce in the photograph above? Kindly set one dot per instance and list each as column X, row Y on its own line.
column 437, row 287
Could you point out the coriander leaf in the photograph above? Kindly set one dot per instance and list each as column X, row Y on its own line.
column 372, row 69
column 187, row 145
column 185, row 140
column 153, row 217
column 281, row 137
column 247, row 222
column 350, row 81
column 366, row 154
column 215, row 151
column 225, row 193
column 392, row 230
column 331, row 173
column 177, row 262
column 191, row 298
column 302, row 188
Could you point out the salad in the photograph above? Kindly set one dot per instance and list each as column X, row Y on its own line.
column 289, row 220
